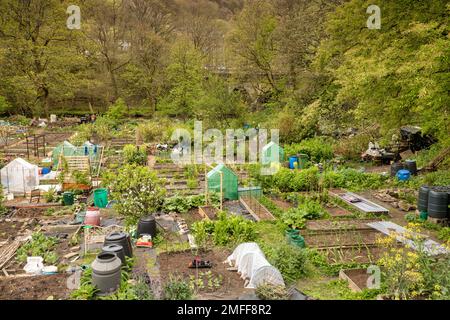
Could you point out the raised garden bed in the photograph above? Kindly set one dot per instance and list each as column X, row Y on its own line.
column 208, row 212
column 356, row 278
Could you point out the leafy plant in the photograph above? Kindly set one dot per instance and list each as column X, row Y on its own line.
column 135, row 155
column 268, row 291
column 39, row 245
column 177, row 289
column 224, row 231
column 51, row 196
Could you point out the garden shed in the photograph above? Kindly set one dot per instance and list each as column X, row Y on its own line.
column 270, row 152
column 229, row 183
column 20, row 176
column 253, row 266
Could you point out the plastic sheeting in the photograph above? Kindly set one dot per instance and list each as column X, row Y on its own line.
column 20, row 176
column 253, row 266
column 229, row 183
column 67, row 149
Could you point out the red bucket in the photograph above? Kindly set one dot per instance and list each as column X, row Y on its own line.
column 92, row 217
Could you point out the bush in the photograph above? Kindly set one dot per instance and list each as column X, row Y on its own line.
column 318, row 149
column 177, row 289
column 117, row 111
column 269, row 291
column 291, row 261
column 135, row 155
column 137, row 190
column 352, row 179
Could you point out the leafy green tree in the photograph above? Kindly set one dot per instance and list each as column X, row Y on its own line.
column 185, row 75
column 394, row 76
column 137, row 190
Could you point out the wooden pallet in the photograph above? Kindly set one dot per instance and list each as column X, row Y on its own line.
column 81, row 164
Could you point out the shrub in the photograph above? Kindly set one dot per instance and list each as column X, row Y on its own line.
column 269, row 291
column 117, row 111
column 137, row 190
column 352, row 179
column 177, row 289
column 135, row 155
column 318, row 149
column 291, row 261
column 51, row 196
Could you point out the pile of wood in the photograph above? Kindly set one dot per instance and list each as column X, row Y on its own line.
column 392, row 197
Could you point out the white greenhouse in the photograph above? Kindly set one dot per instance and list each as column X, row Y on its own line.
column 19, row 177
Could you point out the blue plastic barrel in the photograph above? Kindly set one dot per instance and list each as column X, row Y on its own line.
column 293, row 162
column 403, row 175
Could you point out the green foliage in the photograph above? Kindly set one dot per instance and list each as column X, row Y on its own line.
column 39, row 245
column 290, row 260
column 135, row 155
column 269, row 291
column 396, row 75
column 3, row 209
column 286, row 180
column 5, row 106
column 183, row 204
column 137, row 190
column 205, row 281
column 177, row 289
column 318, row 149
column 308, row 210
column 352, row 179
column 117, row 111
column 51, row 196
column 444, row 235
column 81, row 177
column 225, row 231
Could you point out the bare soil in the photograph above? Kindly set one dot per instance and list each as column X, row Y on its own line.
column 359, row 254
column 338, row 212
column 34, row 288
column 177, row 264
column 10, row 230
column 282, row 204
column 339, row 238
column 331, row 225
column 358, row 276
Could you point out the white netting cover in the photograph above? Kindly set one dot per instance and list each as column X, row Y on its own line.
column 253, row 265
column 19, row 176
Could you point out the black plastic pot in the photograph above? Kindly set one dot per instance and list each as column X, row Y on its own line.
column 120, row 238
column 147, row 225
column 396, row 167
column 106, row 273
column 438, row 204
column 411, row 166
column 117, row 249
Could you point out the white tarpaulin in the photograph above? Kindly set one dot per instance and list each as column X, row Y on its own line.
column 20, row 176
column 253, row 266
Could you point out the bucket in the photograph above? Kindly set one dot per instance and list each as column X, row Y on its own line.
column 403, row 175
column 423, row 216
column 293, row 162
column 68, row 198
column 101, row 198
column 92, row 217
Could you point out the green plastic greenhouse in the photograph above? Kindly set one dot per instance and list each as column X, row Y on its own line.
column 270, row 151
column 67, row 149
column 230, row 182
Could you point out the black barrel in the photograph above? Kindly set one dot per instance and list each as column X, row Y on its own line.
column 117, row 249
column 422, row 203
column 411, row 166
column 438, row 204
column 147, row 225
column 396, row 167
column 120, row 238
